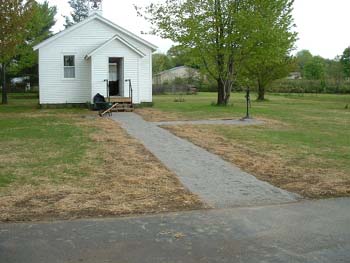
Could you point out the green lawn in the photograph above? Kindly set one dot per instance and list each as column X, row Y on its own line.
column 70, row 163
column 278, row 106
column 308, row 134
column 310, row 131
column 320, row 125
column 35, row 143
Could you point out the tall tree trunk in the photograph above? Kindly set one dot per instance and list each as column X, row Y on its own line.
column 261, row 91
column 221, row 93
column 4, row 88
column 227, row 92
column 220, row 58
column 224, row 92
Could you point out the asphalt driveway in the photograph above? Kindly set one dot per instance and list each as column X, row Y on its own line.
column 308, row 231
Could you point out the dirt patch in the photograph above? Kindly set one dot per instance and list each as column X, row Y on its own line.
column 120, row 178
column 154, row 115
column 273, row 166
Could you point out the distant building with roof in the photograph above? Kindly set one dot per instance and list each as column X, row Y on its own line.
column 294, row 75
column 182, row 72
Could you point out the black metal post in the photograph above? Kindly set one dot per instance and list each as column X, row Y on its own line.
column 107, row 88
column 247, row 96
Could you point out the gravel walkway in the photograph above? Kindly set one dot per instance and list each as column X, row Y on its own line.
column 217, row 182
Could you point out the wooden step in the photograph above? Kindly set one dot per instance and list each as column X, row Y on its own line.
column 123, row 107
column 119, row 99
column 123, row 110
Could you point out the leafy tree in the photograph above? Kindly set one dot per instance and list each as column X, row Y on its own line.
column 266, row 71
column 269, row 59
column 207, row 28
column 345, row 61
column 42, row 20
column 334, row 70
column 220, row 33
column 80, row 12
column 161, row 62
column 182, row 56
column 14, row 17
column 303, row 57
column 315, row 68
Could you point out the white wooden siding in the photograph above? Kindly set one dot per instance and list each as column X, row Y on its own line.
column 89, row 73
column 145, row 71
column 101, row 71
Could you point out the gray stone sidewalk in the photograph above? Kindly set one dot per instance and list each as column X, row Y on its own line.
column 307, row 232
column 219, row 183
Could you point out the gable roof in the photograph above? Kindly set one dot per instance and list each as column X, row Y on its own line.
column 122, row 40
column 102, row 19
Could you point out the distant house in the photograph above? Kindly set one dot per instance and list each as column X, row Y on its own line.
column 79, row 62
column 294, row 75
column 182, row 72
column 19, row 80
column 21, row 83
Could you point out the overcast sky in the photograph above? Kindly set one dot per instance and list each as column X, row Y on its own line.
column 323, row 25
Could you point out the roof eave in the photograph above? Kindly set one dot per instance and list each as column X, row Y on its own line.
column 116, row 37
column 127, row 32
column 63, row 32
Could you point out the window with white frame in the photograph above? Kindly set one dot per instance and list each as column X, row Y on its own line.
column 69, row 66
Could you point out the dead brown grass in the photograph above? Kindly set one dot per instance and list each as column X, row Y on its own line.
column 154, row 115
column 273, row 166
column 123, row 178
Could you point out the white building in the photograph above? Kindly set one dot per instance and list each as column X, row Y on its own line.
column 75, row 64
